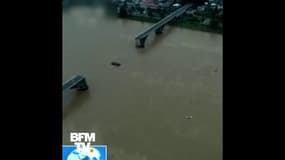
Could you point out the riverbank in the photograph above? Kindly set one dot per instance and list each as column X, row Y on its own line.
column 183, row 24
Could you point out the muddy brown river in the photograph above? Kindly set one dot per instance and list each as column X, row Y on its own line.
column 164, row 102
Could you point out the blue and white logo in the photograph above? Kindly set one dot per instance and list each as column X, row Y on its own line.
column 94, row 152
column 82, row 148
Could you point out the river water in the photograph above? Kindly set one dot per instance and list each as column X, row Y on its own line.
column 140, row 109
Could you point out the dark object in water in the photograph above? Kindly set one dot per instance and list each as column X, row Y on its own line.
column 117, row 64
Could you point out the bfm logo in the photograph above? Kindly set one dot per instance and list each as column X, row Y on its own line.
column 82, row 149
column 77, row 138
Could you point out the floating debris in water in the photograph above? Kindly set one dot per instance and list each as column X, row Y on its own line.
column 117, row 64
column 188, row 117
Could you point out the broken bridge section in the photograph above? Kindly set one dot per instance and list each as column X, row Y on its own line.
column 77, row 82
column 158, row 27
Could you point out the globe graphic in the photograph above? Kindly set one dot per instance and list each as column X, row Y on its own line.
column 92, row 154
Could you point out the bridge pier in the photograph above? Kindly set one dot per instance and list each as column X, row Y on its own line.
column 159, row 30
column 175, row 20
column 140, row 42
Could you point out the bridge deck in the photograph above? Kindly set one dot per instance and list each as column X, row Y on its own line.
column 162, row 22
column 72, row 82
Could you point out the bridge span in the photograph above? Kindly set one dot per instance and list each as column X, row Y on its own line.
column 158, row 27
